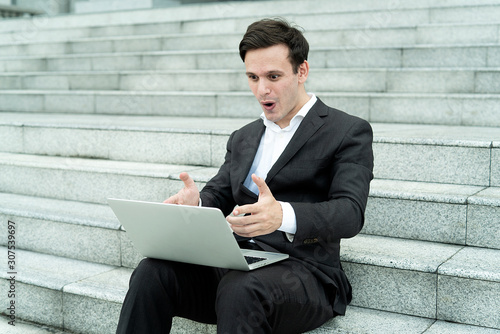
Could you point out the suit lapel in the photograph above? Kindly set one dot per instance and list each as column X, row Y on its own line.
column 248, row 148
column 308, row 127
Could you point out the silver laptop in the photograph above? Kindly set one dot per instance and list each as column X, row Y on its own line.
column 190, row 234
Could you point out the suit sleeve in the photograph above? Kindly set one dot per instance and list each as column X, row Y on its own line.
column 218, row 192
column 342, row 215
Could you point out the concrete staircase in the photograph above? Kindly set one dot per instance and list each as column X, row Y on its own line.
column 118, row 104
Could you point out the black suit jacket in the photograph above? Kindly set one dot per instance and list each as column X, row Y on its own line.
column 324, row 173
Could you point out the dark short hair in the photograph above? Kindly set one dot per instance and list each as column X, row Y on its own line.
column 270, row 32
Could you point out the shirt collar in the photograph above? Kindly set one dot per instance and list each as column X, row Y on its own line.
column 296, row 119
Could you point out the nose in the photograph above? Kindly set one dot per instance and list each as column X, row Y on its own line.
column 263, row 88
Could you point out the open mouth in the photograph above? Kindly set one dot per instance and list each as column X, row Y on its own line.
column 268, row 105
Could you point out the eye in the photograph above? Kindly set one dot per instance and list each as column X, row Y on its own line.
column 252, row 77
column 274, row 77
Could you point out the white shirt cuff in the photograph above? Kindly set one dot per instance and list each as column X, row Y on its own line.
column 289, row 223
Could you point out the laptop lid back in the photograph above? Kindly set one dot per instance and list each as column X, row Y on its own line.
column 197, row 235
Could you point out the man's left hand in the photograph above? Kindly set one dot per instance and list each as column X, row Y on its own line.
column 260, row 218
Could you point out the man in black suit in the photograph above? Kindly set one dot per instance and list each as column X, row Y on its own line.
column 295, row 181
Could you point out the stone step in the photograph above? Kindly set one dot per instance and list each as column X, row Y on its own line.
column 477, row 56
column 77, row 230
column 55, row 291
column 361, row 321
column 418, row 147
column 26, row 327
column 414, row 80
column 444, row 213
column 323, row 15
column 356, row 321
column 426, row 153
column 445, row 109
column 113, row 6
column 93, row 180
column 424, row 279
column 440, row 183
column 69, row 42
column 418, row 278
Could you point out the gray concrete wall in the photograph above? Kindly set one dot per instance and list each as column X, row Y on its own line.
column 51, row 7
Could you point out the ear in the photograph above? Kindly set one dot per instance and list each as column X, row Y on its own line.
column 303, row 72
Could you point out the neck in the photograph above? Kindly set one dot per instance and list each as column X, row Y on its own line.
column 302, row 100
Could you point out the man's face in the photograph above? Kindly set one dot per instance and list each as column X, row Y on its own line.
column 272, row 80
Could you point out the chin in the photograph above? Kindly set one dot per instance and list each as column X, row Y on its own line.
column 272, row 119
column 272, row 115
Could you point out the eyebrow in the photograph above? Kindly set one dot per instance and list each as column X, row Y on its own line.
column 267, row 73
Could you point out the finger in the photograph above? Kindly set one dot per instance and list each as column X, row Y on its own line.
column 261, row 184
column 240, row 221
column 171, row 200
column 245, row 230
column 244, row 209
column 188, row 181
column 232, row 220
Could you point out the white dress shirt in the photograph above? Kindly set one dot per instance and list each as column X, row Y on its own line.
column 273, row 143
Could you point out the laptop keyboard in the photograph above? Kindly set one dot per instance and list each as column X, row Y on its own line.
column 253, row 259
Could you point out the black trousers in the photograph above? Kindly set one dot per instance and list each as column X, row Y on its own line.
column 284, row 297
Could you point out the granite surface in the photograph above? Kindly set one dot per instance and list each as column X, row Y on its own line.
column 71, row 212
column 396, row 253
column 83, row 242
column 482, row 226
column 483, row 217
column 395, row 290
column 23, row 327
column 51, row 272
column 363, row 321
column 480, row 264
column 495, row 161
column 457, row 301
column 442, row 327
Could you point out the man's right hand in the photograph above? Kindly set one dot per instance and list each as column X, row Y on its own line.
column 189, row 195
